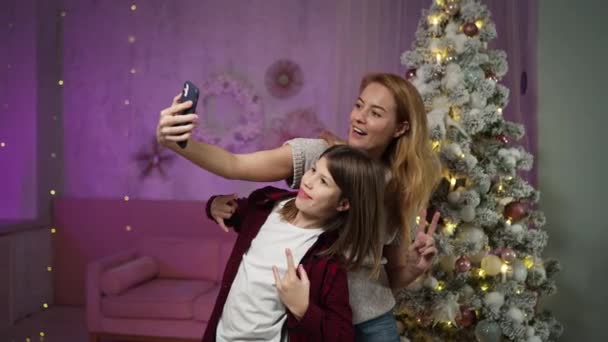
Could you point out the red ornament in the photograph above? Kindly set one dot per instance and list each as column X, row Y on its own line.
column 467, row 317
column 515, row 211
column 470, row 29
column 463, row 264
column 411, row 73
column 503, row 139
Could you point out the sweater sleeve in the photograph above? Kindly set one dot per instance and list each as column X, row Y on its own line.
column 333, row 320
column 305, row 153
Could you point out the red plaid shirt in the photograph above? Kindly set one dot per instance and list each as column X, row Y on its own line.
column 329, row 317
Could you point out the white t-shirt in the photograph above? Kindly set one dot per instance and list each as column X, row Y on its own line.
column 253, row 310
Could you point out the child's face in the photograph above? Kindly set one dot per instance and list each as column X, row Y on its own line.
column 319, row 196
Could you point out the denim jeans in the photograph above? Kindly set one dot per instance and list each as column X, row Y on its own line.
column 379, row 329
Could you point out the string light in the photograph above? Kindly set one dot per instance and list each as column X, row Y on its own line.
column 45, row 306
column 2, row 144
column 128, row 228
column 440, row 286
column 484, row 287
column 450, row 227
column 436, row 145
column 452, row 183
column 60, row 82
column 126, row 198
column 417, row 219
column 479, row 23
column 42, row 334
column 508, row 222
column 49, row 269
column 53, row 230
column 131, row 39
column 529, row 262
column 127, row 102
column 133, row 7
column 481, row 273
column 63, row 13
column 53, row 155
column 499, row 110
column 52, row 192
column 133, row 71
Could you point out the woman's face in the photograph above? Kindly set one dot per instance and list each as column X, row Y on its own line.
column 373, row 120
column 319, row 196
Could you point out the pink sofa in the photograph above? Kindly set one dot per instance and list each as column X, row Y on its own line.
column 163, row 290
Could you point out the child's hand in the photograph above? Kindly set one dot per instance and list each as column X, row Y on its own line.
column 222, row 208
column 293, row 290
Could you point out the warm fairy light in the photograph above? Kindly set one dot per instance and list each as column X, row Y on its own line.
column 499, row 110
column 131, row 39
column 27, row 339
column 53, row 230
column 53, row 155
column 42, row 334
column 45, row 305
column 508, row 222
column 484, row 287
column 133, row 71
column 508, row 178
column 63, row 13
column 128, row 228
column 481, row 273
column 449, row 228
column 60, row 82
column 133, row 7
column 479, row 23
column 436, row 145
column 529, row 261
column 452, row 182
column 462, row 156
column 440, row 286
column 126, row 198
column 433, row 19
column 2, row 144
column 127, row 102
column 49, row 269
column 504, row 268
column 500, row 188
column 52, row 192
column 438, row 57
column 417, row 219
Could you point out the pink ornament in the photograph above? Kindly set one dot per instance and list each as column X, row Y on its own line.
column 470, row 29
column 508, row 255
column 463, row 264
column 467, row 317
column 411, row 73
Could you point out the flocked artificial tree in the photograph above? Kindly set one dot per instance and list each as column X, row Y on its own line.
column 489, row 275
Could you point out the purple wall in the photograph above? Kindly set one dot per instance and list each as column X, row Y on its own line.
column 95, row 136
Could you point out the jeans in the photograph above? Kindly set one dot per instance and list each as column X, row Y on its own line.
column 380, row 329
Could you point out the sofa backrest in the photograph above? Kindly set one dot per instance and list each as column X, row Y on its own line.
column 187, row 258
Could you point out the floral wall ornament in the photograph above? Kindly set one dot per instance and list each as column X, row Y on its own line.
column 153, row 159
column 299, row 123
column 251, row 122
column 284, row 79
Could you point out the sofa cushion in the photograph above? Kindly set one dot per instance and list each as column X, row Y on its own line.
column 157, row 299
column 117, row 280
column 184, row 258
column 203, row 305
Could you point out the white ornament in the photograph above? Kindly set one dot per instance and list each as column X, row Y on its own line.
column 471, row 234
column 530, row 331
column 494, row 300
column 516, row 315
column 453, row 76
column 430, row 282
column 467, row 214
column 520, row 272
column 516, row 228
column 454, row 150
column 454, row 197
column 467, row 292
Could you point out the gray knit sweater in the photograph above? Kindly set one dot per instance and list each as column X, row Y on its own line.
column 368, row 298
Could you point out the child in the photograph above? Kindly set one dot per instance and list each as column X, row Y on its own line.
column 328, row 229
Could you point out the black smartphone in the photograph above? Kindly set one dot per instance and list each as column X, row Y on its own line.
column 189, row 93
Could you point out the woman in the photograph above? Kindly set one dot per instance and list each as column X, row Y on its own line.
column 388, row 121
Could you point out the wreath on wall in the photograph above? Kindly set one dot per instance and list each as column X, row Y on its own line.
column 250, row 123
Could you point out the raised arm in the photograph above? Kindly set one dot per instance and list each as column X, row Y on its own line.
column 261, row 166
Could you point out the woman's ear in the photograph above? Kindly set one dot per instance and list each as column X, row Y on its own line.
column 402, row 128
column 343, row 205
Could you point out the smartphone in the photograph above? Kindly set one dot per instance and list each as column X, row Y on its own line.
column 189, row 93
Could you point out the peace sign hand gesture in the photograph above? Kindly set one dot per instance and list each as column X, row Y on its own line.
column 293, row 290
column 422, row 251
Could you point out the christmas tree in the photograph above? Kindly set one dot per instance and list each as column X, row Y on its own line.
column 490, row 276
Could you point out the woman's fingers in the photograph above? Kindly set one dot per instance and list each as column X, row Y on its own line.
column 177, row 130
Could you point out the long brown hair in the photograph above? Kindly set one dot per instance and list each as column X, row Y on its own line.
column 361, row 181
column 415, row 168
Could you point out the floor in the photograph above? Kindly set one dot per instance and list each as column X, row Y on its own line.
column 57, row 324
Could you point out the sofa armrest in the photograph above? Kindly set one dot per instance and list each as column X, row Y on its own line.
column 93, row 291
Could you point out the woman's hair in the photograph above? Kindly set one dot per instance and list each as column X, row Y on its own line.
column 414, row 167
column 361, row 181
